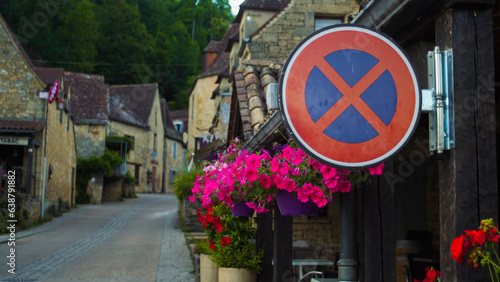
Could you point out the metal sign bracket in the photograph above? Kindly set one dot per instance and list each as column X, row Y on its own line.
column 438, row 100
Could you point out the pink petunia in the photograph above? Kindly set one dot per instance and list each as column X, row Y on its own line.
column 378, row 170
column 265, row 181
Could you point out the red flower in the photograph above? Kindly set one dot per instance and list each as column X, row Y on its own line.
column 493, row 237
column 225, row 241
column 212, row 246
column 218, row 225
column 457, row 248
column 477, row 236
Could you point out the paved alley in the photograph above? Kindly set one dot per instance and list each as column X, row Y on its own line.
column 132, row 240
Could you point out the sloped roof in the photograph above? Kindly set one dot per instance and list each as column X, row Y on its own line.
column 214, row 47
column 182, row 115
column 170, row 131
column 165, row 114
column 49, row 75
column 89, row 97
column 250, row 86
column 267, row 5
column 132, row 104
column 26, row 125
column 221, row 63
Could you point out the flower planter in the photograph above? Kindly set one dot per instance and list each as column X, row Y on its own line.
column 208, row 269
column 236, row 274
column 289, row 204
column 241, row 209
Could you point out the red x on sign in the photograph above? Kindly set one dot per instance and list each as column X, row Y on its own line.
column 349, row 96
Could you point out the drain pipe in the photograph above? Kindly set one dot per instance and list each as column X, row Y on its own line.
column 377, row 13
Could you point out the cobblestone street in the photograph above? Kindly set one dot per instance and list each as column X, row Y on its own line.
column 133, row 240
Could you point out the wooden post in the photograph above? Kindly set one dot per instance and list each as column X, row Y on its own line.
column 282, row 247
column 265, row 242
column 468, row 173
column 377, row 234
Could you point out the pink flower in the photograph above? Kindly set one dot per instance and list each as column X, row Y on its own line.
column 378, row 170
column 298, row 157
column 251, row 174
column 265, row 181
column 275, row 165
column 344, row 186
column 328, row 172
column 287, row 153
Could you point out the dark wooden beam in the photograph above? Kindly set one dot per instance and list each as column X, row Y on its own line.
column 468, row 184
column 377, row 231
column 265, row 242
column 282, row 247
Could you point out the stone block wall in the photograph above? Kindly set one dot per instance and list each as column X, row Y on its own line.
column 139, row 155
column 61, row 156
column 18, row 83
column 201, row 108
column 280, row 36
column 90, row 139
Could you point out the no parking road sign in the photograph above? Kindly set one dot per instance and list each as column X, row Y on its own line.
column 349, row 96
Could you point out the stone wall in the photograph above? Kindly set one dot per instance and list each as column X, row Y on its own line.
column 18, row 83
column 155, row 145
column 201, row 108
column 61, row 156
column 279, row 37
column 176, row 164
column 90, row 139
column 139, row 154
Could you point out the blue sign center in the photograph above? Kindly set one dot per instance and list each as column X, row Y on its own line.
column 321, row 94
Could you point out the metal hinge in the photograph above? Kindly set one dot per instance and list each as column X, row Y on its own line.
column 438, row 100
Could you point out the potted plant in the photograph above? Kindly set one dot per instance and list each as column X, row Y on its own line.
column 212, row 225
column 234, row 250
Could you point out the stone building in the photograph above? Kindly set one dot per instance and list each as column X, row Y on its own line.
column 174, row 148
column 89, row 108
column 30, row 132
column 135, row 112
column 206, row 108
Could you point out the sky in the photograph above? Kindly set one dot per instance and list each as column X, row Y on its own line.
column 235, row 5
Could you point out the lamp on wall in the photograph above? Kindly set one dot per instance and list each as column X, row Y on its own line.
column 60, row 104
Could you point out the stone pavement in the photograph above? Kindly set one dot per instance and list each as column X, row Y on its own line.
column 174, row 262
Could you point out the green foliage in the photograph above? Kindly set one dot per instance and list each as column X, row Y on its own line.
column 127, row 41
column 86, row 166
column 129, row 178
column 116, row 142
column 232, row 243
column 183, row 183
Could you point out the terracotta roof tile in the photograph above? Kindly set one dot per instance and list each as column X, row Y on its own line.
column 132, row 103
column 28, row 125
column 88, row 96
column 251, row 86
column 50, row 75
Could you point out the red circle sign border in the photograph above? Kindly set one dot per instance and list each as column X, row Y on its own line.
column 309, row 136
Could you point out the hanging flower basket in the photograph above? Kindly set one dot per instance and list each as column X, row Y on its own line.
column 241, row 209
column 289, row 204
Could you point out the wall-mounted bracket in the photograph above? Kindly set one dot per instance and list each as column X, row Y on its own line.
column 438, row 100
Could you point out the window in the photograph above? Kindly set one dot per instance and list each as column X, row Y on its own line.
column 131, row 138
column 320, row 23
column 185, row 156
column 154, row 143
column 178, row 125
column 173, row 173
column 137, row 170
column 174, row 153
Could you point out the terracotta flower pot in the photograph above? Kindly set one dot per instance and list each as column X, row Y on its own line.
column 236, row 274
column 208, row 269
column 289, row 204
